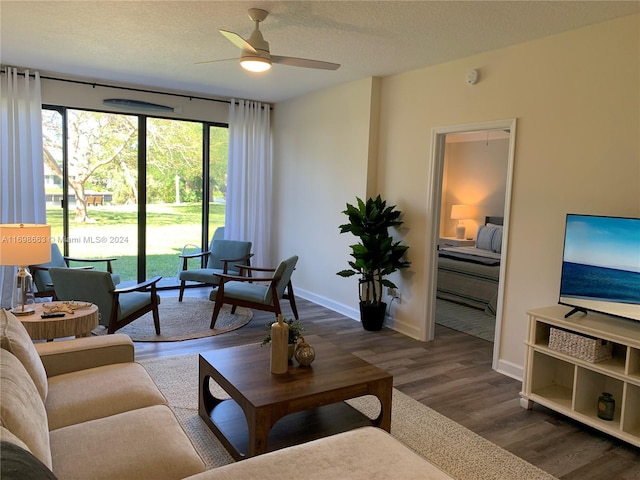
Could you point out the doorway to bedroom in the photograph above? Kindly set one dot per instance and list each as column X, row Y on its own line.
column 471, row 190
column 474, row 183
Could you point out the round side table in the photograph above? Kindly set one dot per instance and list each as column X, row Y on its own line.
column 76, row 324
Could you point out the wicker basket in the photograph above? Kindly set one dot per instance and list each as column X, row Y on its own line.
column 586, row 348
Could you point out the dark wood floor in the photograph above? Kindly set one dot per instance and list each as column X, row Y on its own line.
column 452, row 375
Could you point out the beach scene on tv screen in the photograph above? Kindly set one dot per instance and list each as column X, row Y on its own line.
column 601, row 265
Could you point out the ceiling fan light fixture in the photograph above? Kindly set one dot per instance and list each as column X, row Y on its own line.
column 256, row 56
column 255, row 64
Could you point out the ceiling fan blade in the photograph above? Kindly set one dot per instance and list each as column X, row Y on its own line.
column 304, row 62
column 216, row 61
column 238, row 41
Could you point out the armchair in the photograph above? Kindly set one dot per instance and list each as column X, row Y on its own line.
column 117, row 307
column 42, row 279
column 260, row 293
column 222, row 258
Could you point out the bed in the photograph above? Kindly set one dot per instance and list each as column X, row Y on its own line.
column 470, row 275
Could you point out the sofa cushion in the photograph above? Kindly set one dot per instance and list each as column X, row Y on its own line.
column 15, row 339
column 19, row 464
column 99, row 392
column 65, row 356
column 143, row 443
column 362, row 454
column 21, row 408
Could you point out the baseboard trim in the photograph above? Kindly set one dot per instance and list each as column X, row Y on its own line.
column 352, row 313
column 401, row 327
column 510, row 369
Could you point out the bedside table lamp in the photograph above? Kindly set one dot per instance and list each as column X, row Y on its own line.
column 22, row 245
column 460, row 213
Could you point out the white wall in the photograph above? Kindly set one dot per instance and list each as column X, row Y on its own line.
column 476, row 175
column 577, row 102
column 321, row 155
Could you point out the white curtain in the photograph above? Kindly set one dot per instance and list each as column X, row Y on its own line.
column 248, row 210
column 22, row 198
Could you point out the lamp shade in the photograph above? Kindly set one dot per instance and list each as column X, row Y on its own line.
column 25, row 244
column 461, row 212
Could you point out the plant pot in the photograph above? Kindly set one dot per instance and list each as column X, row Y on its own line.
column 372, row 315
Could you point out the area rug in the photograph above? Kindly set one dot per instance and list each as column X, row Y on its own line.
column 184, row 320
column 465, row 319
column 455, row 449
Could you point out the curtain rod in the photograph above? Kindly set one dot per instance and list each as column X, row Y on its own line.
column 132, row 89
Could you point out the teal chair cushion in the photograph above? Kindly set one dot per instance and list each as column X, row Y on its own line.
column 251, row 292
column 227, row 249
column 85, row 286
column 204, row 275
column 115, row 308
column 259, row 292
column 131, row 302
column 220, row 250
column 218, row 234
column 42, row 278
column 284, row 271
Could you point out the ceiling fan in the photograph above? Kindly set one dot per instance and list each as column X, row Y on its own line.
column 256, row 56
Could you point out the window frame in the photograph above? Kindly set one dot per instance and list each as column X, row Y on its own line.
column 141, row 165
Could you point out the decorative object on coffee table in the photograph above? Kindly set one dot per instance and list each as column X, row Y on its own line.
column 295, row 331
column 279, row 346
column 305, row 353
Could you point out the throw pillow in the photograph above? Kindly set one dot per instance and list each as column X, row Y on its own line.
column 22, row 410
column 15, row 339
column 17, row 464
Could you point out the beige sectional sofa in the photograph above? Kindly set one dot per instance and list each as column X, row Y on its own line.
column 84, row 409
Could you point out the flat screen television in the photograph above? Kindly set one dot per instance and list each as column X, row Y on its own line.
column 601, row 265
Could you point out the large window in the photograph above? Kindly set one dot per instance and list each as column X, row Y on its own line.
column 137, row 188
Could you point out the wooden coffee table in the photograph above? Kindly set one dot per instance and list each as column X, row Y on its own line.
column 267, row 412
column 76, row 324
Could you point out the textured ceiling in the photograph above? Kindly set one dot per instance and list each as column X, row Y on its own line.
column 156, row 44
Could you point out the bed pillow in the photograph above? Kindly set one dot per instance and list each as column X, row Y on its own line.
column 489, row 238
column 484, row 238
column 496, row 241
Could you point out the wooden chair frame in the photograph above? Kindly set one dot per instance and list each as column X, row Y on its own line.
column 97, row 287
column 148, row 286
column 201, row 255
column 247, row 276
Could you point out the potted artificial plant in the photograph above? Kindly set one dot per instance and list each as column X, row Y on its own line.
column 375, row 257
column 295, row 332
